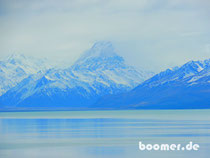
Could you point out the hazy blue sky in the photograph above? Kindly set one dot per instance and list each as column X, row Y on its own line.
column 153, row 34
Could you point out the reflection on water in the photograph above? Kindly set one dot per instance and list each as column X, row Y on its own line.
column 115, row 134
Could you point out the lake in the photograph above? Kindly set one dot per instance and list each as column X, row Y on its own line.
column 102, row 134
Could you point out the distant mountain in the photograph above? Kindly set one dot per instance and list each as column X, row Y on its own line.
column 17, row 67
column 184, row 87
column 98, row 72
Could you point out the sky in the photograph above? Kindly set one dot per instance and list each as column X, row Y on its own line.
column 149, row 34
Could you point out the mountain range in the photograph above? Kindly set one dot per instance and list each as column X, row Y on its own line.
column 185, row 87
column 100, row 79
column 98, row 72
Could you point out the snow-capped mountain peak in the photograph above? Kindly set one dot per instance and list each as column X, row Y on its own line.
column 102, row 60
column 102, row 49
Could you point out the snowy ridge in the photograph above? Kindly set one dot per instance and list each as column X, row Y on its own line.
column 17, row 67
column 178, row 73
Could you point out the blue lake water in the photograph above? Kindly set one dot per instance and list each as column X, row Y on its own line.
column 100, row 134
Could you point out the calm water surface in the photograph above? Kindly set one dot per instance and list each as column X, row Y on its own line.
column 107, row 134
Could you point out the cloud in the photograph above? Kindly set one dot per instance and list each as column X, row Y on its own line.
column 148, row 33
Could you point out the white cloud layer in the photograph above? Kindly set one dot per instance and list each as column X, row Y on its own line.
column 154, row 34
